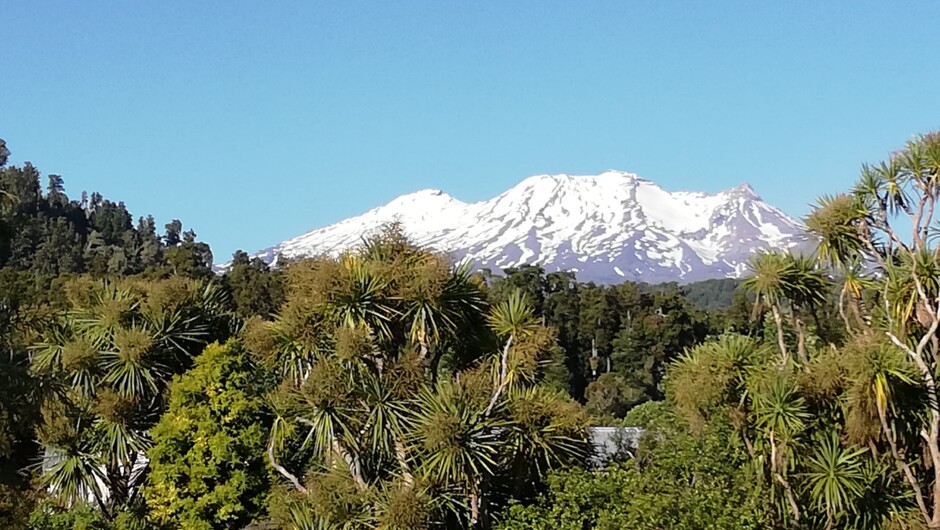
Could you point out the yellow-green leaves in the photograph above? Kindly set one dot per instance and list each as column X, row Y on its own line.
column 207, row 467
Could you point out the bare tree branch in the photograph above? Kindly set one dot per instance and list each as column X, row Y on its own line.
column 502, row 381
column 282, row 470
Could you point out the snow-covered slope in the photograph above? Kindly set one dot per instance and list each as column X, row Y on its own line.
column 607, row 228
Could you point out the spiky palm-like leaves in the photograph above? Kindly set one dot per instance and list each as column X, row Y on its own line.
column 854, row 284
column 455, row 441
column 780, row 412
column 513, row 317
column 769, row 275
column 547, row 431
column 363, row 300
column 358, row 347
column 846, row 433
column 438, row 310
column 911, row 288
column 806, row 285
column 74, row 475
column 107, row 362
column 777, row 279
column 713, row 378
column 834, row 475
column 768, row 283
column 835, row 220
column 786, row 430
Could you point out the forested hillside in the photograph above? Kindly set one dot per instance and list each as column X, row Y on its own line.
column 79, row 276
column 388, row 388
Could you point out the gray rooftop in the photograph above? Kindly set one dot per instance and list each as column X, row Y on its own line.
column 613, row 444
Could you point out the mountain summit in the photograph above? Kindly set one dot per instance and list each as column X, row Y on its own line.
column 607, row 228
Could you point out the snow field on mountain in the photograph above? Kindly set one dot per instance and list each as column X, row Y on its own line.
column 607, row 228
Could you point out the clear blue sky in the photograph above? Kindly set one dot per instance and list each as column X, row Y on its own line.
column 257, row 121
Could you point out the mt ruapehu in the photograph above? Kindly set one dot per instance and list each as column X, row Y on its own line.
column 606, row 228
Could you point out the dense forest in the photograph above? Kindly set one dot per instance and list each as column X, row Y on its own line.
column 391, row 388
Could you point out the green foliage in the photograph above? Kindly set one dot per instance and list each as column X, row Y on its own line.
column 676, row 481
column 614, row 341
column 711, row 295
column 256, row 289
column 50, row 234
column 412, row 402
column 49, row 516
column 834, row 475
column 610, row 397
column 811, row 431
column 20, row 395
column 206, row 463
column 653, row 336
column 887, row 221
column 106, row 363
column 388, row 389
column 46, row 238
column 4, row 153
column 835, row 221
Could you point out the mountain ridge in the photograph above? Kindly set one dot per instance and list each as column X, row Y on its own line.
column 607, row 228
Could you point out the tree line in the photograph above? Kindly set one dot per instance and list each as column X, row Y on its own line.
column 391, row 388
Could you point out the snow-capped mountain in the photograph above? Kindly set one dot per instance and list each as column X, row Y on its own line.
column 607, row 228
